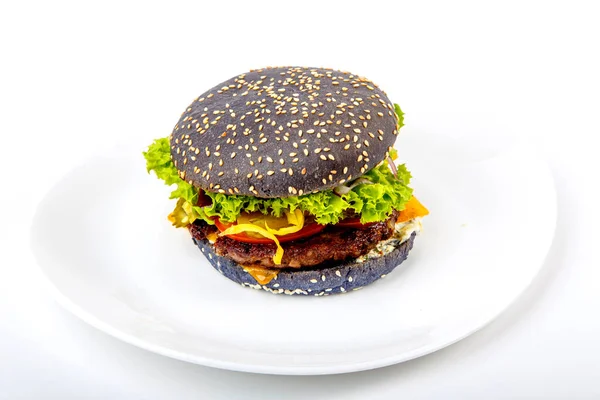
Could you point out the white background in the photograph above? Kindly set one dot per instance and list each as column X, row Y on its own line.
column 75, row 79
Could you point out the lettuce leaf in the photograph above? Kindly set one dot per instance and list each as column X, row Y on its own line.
column 158, row 159
column 374, row 200
column 400, row 115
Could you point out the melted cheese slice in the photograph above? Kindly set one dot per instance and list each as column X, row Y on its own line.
column 413, row 209
column 262, row 275
column 212, row 237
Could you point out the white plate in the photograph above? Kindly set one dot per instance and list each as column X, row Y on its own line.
column 102, row 239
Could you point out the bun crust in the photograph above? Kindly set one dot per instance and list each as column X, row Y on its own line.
column 283, row 131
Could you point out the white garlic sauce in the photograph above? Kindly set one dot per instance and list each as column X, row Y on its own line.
column 402, row 233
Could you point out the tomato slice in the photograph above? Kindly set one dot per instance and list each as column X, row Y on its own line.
column 306, row 231
column 353, row 223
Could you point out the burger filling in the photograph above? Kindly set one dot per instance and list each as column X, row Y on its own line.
column 333, row 243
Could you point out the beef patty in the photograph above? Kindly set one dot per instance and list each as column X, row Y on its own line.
column 331, row 244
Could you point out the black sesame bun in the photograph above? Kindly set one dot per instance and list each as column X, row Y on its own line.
column 321, row 280
column 283, row 131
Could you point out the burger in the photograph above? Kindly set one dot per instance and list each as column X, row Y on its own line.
column 286, row 181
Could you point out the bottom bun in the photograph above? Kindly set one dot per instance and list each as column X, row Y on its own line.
column 321, row 280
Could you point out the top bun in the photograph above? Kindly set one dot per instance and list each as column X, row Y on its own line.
column 283, row 131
